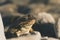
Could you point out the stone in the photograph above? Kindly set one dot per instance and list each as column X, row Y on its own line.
column 36, row 36
column 58, row 28
column 54, row 1
column 21, row 2
column 2, row 35
column 45, row 24
column 49, row 38
column 45, row 18
column 2, row 1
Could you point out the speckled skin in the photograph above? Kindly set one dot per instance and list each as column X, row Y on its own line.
column 22, row 27
column 26, row 27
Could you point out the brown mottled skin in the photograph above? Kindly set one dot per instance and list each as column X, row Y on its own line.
column 26, row 27
column 22, row 27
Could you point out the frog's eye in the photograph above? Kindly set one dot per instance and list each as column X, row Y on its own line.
column 24, row 19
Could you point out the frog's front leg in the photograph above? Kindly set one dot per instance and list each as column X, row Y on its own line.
column 31, row 30
column 18, row 33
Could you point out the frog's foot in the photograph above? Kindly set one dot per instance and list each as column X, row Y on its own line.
column 18, row 33
column 32, row 32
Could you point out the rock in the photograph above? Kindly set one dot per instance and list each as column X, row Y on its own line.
column 45, row 18
column 49, row 38
column 58, row 28
column 2, row 1
column 39, row 1
column 52, row 39
column 45, row 25
column 54, row 1
column 2, row 35
column 36, row 36
column 21, row 2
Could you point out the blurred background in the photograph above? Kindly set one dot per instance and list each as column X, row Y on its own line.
column 46, row 13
